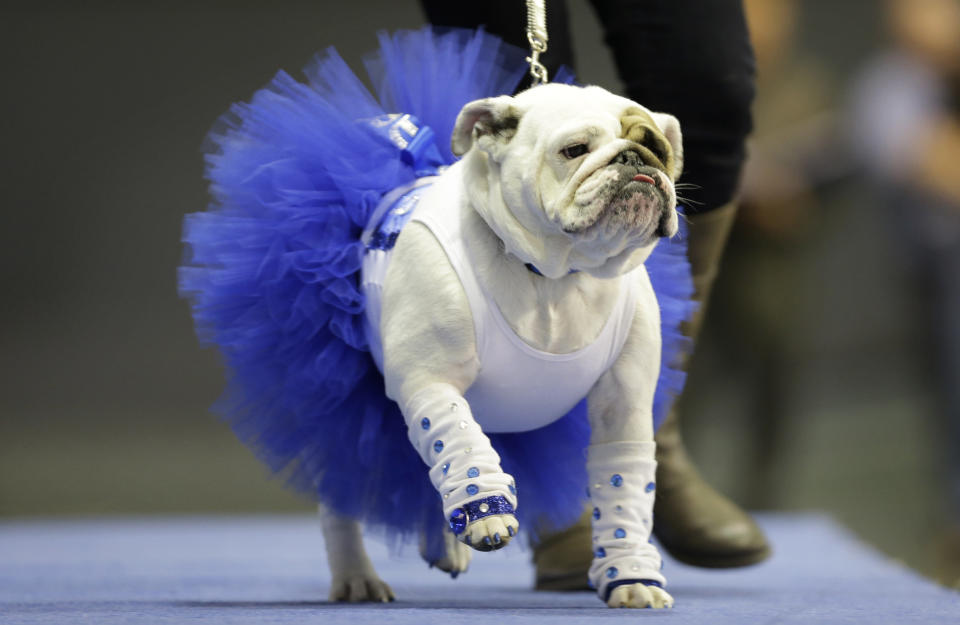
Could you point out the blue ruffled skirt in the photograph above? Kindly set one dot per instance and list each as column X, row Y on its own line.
column 272, row 273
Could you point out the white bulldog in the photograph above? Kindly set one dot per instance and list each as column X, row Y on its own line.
column 544, row 224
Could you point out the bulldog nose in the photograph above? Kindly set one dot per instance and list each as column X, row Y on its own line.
column 627, row 157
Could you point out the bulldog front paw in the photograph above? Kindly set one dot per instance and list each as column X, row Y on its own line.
column 491, row 532
column 485, row 524
column 360, row 587
column 639, row 595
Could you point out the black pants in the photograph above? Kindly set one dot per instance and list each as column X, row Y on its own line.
column 690, row 58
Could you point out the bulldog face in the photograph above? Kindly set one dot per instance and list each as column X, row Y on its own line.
column 573, row 178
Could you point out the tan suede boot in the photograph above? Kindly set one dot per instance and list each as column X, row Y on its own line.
column 693, row 522
column 563, row 558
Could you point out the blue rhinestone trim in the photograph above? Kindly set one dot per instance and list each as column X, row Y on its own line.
column 624, row 582
column 458, row 521
column 470, row 512
column 385, row 234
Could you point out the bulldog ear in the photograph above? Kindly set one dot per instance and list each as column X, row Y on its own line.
column 670, row 127
column 492, row 120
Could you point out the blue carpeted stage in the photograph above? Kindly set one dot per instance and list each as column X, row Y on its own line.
column 272, row 570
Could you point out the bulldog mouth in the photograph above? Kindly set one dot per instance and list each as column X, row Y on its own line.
column 620, row 197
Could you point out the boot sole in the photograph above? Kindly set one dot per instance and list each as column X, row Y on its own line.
column 567, row 582
column 720, row 561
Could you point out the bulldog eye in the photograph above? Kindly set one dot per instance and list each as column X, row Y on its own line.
column 657, row 147
column 573, row 151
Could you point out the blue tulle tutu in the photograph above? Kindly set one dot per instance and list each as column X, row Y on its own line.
column 272, row 274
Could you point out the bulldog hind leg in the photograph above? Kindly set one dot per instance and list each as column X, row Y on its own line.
column 456, row 555
column 353, row 577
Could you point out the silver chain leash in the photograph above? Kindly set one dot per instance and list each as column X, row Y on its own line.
column 537, row 36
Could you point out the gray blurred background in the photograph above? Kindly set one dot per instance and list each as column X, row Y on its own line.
column 813, row 388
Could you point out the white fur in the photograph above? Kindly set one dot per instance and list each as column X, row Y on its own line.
column 526, row 203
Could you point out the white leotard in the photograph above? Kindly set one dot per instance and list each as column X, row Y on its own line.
column 518, row 387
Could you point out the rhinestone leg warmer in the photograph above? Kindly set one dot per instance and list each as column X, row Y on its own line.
column 464, row 467
column 622, row 492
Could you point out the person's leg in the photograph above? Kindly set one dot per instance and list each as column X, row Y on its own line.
column 695, row 523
